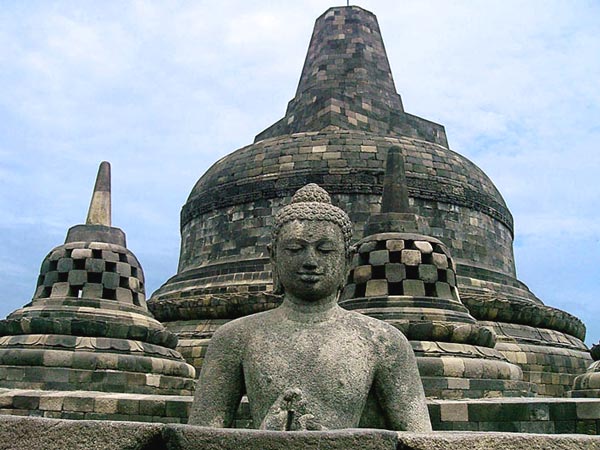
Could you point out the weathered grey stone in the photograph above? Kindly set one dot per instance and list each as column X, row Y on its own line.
column 182, row 437
column 28, row 433
column 494, row 441
column 294, row 374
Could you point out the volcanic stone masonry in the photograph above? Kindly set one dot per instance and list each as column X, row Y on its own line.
column 336, row 131
column 86, row 346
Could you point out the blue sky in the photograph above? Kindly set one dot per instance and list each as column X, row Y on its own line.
column 164, row 89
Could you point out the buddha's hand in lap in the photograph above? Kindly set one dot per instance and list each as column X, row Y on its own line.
column 290, row 413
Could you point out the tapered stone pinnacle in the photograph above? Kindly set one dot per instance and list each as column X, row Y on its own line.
column 395, row 192
column 97, row 227
column 395, row 215
column 100, row 205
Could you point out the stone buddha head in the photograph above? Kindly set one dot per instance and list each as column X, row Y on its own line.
column 310, row 246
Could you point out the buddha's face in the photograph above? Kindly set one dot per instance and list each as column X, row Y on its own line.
column 310, row 259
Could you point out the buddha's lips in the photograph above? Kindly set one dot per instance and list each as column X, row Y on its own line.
column 310, row 277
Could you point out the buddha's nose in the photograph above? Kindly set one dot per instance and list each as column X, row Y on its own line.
column 311, row 260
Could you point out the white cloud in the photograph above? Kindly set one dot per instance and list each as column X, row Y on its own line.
column 162, row 90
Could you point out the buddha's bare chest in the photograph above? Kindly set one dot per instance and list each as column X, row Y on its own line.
column 328, row 365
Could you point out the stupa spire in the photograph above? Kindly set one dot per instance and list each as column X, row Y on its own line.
column 395, row 215
column 98, row 226
column 100, row 205
column 347, row 83
column 395, row 192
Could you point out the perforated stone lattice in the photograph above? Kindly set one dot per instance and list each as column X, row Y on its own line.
column 92, row 270
column 402, row 267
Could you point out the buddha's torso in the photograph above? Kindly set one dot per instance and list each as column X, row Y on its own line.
column 328, row 361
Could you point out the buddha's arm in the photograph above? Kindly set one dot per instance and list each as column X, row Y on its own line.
column 221, row 382
column 399, row 388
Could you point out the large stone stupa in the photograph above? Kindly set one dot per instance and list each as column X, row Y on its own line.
column 336, row 131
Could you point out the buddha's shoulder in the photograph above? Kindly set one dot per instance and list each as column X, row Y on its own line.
column 243, row 325
column 372, row 328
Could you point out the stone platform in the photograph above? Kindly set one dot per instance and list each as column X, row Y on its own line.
column 515, row 415
column 49, row 434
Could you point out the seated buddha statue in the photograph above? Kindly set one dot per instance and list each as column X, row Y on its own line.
column 309, row 364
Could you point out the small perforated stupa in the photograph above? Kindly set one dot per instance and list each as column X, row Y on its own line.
column 409, row 280
column 88, row 327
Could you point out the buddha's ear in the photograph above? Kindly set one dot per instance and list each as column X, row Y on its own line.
column 349, row 255
column 271, row 251
column 277, row 286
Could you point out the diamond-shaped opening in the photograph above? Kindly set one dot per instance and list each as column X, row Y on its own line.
column 109, row 294
column 395, row 289
column 412, row 272
column 94, row 277
column 124, row 282
column 361, row 288
column 378, row 272
column 395, row 257
column 430, row 290
column 76, row 291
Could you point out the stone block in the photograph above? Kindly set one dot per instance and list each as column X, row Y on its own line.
column 376, row 288
column 450, row 277
column 588, row 410
column 64, row 265
column 60, row 290
column 106, row 405
column 440, row 260
column 128, row 406
column 110, row 280
column 93, row 290
column 124, row 295
column 155, row 408
column 367, row 247
column 77, row 277
column 423, row 247
column 395, row 273
column 78, row 404
column 413, row 287
column 428, row 273
column 81, row 253
column 95, row 265
column 27, row 402
column 134, row 284
column 411, row 257
column 183, row 437
column 124, row 269
column 29, row 433
column 109, row 255
column 362, row 274
column 51, row 403
column 443, row 290
column 394, row 245
column 379, row 257
column 177, row 408
column 50, row 278
column 454, row 412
